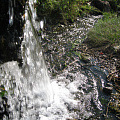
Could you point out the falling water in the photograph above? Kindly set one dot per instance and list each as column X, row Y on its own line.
column 11, row 12
column 32, row 83
column 34, row 69
column 32, row 95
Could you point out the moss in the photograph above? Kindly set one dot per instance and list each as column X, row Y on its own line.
column 78, row 54
column 103, row 101
column 3, row 92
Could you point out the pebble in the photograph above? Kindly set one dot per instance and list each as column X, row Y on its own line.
column 109, row 84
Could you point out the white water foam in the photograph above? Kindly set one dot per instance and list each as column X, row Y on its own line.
column 64, row 106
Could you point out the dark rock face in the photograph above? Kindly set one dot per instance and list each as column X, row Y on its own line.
column 10, row 35
column 101, row 5
column 10, row 40
column 4, row 17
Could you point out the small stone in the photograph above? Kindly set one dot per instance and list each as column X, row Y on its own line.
column 116, row 48
column 109, row 84
column 102, row 67
column 85, row 57
column 107, row 90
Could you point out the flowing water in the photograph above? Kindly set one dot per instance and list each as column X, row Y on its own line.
column 74, row 90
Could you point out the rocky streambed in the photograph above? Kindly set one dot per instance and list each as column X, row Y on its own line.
column 109, row 59
column 85, row 74
column 66, row 46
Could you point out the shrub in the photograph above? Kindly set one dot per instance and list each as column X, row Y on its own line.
column 105, row 32
column 60, row 9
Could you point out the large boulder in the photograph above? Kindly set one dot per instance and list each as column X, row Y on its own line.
column 101, row 5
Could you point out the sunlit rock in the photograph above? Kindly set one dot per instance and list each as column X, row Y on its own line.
column 85, row 57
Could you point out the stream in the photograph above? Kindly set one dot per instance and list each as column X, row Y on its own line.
column 52, row 83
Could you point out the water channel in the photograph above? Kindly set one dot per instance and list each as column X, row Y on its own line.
column 52, row 83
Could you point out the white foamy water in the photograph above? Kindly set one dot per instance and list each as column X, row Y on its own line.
column 25, row 104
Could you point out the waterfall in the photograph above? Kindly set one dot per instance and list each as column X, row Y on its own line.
column 11, row 12
column 34, row 69
column 32, row 95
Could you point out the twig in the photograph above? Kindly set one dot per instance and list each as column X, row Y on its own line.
column 107, row 108
column 113, row 73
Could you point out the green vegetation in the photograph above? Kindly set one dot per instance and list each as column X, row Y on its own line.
column 67, row 10
column 3, row 92
column 64, row 10
column 106, row 31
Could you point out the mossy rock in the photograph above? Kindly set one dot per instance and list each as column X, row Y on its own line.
column 85, row 57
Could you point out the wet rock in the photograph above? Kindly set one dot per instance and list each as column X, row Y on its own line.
column 70, row 77
column 107, row 90
column 11, row 32
column 117, row 48
column 4, row 108
column 118, row 13
column 101, row 5
column 85, row 57
column 3, row 103
column 109, row 84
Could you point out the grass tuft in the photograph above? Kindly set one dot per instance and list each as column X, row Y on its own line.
column 106, row 31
